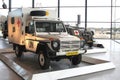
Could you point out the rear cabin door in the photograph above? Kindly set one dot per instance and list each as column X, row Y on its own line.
column 15, row 29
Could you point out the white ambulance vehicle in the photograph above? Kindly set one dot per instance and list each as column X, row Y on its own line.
column 39, row 31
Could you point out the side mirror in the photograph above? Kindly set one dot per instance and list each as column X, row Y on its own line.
column 26, row 29
column 92, row 32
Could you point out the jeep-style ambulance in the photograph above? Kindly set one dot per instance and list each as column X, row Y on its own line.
column 38, row 31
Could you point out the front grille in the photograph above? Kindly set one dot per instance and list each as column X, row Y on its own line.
column 69, row 45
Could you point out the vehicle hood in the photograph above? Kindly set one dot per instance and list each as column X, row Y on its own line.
column 61, row 37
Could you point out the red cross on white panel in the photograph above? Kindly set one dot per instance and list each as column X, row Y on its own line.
column 76, row 32
column 18, row 22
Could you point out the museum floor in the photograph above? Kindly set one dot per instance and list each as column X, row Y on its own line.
column 112, row 47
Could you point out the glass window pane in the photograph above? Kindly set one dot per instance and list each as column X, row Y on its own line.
column 116, row 2
column 72, row 2
column 98, row 25
column 21, row 3
column 101, row 32
column 99, row 2
column 116, row 20
column 70, row 14
column 116, row 14
column 100, row 14
column 45, row 3
column 4, row 12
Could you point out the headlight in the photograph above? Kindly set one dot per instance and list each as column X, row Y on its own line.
column 55, row 45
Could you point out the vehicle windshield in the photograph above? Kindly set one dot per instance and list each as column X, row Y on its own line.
column 50, row 27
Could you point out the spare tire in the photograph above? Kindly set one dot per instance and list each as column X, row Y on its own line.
column 38, row 13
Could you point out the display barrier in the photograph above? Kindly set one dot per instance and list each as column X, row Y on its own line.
column 96, row 51
column 97, row 65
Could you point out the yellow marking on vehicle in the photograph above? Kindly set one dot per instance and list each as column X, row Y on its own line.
column 71, row 53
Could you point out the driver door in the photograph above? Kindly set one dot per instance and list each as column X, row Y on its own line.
column 30, row 37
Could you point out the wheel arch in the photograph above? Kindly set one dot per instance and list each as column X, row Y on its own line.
column 21, row 46
column 41, row 47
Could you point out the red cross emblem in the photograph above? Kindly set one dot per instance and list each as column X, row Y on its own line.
column 76, row 32
column 18, row 22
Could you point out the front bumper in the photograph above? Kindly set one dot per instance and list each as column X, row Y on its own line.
column 71, row 53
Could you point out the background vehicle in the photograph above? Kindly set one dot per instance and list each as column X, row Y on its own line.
column 5, row 29
column 86, row 36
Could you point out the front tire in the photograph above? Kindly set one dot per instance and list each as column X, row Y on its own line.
column 18, row 51
column 76, row 59
column 43, row 60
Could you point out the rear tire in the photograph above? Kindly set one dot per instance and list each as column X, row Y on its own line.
column 18, row 51
column 90, row 44
column 4, row 36
column 43, row 60
column 76, row 59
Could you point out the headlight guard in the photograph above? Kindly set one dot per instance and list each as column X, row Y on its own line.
column 55, row 45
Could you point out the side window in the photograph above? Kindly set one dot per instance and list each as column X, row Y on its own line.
column 12, row 20
column 42, row 26
column 60, row 27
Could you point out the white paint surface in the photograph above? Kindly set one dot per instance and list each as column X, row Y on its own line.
column 55, row 75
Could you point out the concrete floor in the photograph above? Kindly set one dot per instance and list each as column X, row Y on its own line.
column 5, row 72
column 112, row 47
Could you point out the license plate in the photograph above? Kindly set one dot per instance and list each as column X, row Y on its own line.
column 72, row 53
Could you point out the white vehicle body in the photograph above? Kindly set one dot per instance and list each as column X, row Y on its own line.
column 29, row 30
